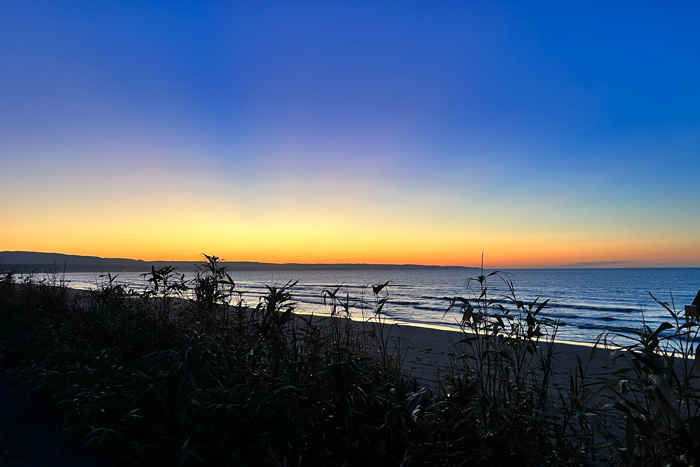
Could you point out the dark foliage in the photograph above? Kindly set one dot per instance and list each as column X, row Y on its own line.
column 185, row 374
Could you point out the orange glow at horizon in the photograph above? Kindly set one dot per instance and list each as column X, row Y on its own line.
column 265, row 243
column 319, row 223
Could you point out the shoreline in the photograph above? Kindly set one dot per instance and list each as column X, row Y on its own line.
column 422, row 298
column 439, row 327
column 429, row 352
column 251, row 364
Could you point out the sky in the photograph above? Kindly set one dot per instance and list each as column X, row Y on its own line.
column 544, row 134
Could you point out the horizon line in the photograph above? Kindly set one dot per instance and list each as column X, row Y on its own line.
column 575, row 265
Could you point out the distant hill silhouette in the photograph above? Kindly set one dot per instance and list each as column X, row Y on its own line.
column 27, row 261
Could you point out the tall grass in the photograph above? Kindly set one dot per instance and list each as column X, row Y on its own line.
column 190, row 373
column 658, row 390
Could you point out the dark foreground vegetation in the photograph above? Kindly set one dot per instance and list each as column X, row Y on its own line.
column 192, row 374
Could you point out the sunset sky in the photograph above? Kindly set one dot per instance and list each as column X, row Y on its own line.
column 543, row 133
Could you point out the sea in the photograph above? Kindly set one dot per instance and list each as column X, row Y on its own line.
column 586, row 303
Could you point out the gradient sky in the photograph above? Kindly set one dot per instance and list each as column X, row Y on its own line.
column 544, row 133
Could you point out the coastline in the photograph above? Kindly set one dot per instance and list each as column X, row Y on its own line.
column 429, row 352
column 577, row 300
column 383, row 368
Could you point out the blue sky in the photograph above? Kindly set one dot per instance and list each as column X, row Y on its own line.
column 547, row 134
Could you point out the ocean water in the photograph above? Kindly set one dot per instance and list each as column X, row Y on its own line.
column 586, row 302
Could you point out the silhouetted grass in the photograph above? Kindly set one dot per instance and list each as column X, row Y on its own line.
column 190, row 373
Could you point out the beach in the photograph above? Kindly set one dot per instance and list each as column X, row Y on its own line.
column 123, row 359
column 429, row 353
column 585, row 302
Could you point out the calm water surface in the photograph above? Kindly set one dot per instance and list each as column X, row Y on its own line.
column 586, row 301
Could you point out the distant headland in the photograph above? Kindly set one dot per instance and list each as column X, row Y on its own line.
column 28, row 261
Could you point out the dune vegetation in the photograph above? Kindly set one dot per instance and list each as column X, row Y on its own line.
column 191, row 373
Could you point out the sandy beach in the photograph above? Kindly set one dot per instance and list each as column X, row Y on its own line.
column 429, row 352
